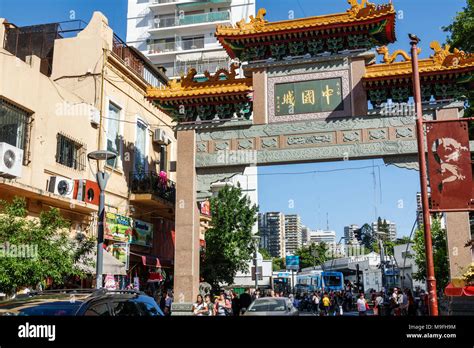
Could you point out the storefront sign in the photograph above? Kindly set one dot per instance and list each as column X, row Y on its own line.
column 142, row 233
column 449, row 165
column 120, row 251
column 306, row 97
column 205, row 208
column 118, row 227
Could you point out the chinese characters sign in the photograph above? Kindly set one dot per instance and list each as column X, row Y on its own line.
column 308, row 97
column 449, row 162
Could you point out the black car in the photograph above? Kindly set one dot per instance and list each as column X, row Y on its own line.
column 82, row 302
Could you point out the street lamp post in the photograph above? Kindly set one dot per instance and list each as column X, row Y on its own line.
column 255, row 259
column 102, row 177
column 430, row 274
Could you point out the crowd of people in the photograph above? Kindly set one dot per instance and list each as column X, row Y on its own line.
column 395, row 302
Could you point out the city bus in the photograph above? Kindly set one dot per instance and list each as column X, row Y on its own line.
column 315, row 280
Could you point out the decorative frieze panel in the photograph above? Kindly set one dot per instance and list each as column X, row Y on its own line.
column 314, row 140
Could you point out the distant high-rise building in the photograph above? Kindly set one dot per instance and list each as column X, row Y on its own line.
column 271, row 227
column 419, row 210
column 305, row 235
column 292, row 233
column 392, row 230
column 179, row 34
column 320, row 236
column 350, row 235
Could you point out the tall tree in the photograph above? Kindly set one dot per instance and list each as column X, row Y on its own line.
column 440, row 254
column 229, row 242
column 461, row 36
column 278, row 263
column 313, row 254
column 48, row 249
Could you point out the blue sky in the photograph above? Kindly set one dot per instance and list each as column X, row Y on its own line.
column 346, row 196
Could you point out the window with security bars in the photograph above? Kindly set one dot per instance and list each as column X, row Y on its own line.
column 13, row 124
column 70, row 153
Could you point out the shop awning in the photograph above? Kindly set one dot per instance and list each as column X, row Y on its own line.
column 215, row 55
column 189, row 57
column 110, row 264
column 452, row 290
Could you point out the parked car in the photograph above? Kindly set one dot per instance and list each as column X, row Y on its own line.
column 272, row 306
column 82, row 302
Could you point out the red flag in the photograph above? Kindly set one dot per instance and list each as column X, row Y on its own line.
column 449, row 165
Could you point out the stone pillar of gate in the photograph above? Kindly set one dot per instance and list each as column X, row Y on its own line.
column 186, row 265
column 457, row 223
column 259, row 81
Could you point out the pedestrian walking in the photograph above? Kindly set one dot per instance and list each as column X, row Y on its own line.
column 210, row 305
column 200, row 307
column 378, row 304
column 235, row 303
column 315, row 303
column 245, row 300
column 326, row 303
column 222, row 306
column 168, row 303
column 362, row 305
column 339, row 302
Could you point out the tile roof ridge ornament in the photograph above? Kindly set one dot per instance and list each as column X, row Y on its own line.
column 256, row 23
column 390, row 58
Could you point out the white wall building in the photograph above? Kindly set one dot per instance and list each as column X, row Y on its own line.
column 245, row 280
column 405, row 261
column 179, row 34
column 248, row 183
column 319, row 236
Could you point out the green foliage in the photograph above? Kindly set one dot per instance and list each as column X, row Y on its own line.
column 278, row 264
column 51, row 251
column 313, row 255
column 440, row 255
column 462, row 29
column 461, row 36
column 229, row 243
column 265, row 254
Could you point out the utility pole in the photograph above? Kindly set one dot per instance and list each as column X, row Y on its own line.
column 430, row 275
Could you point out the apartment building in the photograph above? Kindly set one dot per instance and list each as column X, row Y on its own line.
column 66, row 93
column 292, row 233
column 271, row 228
column 179, row 34
column 392, row 230
column 321, row 236
column 350, row 234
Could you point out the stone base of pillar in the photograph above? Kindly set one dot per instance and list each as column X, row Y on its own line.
column 182, row 309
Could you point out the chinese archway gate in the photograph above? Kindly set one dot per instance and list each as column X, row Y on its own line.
column 298, row 91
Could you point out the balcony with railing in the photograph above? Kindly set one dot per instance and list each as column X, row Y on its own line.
column 173, row 46
column 199, row 18
column 149, row 185
column 135, row 61
column 201, row 66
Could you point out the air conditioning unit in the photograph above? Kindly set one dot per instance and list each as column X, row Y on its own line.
column 86, row 191
column 94, row 116
column 11, row 161
column 61, row 186
column 79, row 189
column 160, row 137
